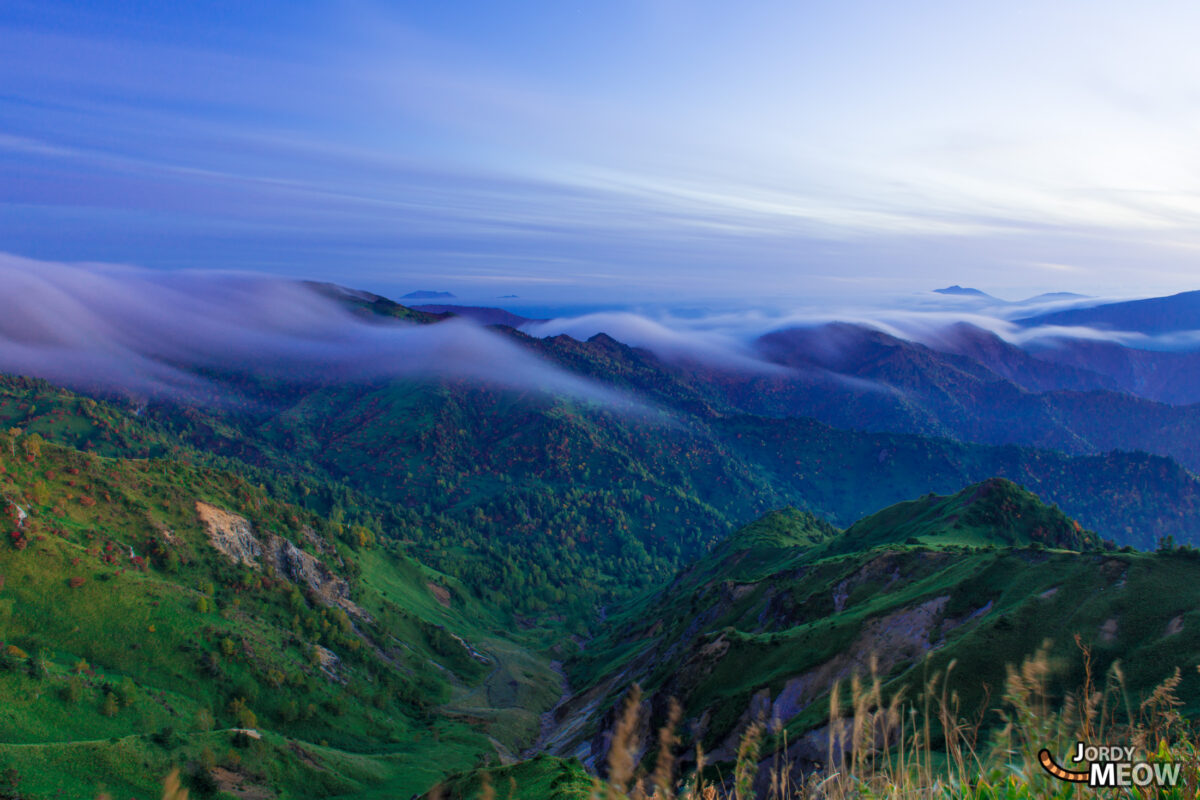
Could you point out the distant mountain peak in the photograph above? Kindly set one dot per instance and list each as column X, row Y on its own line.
column 426, row 294
column 962, row 290
column 1151, row 315
column 1057, row 296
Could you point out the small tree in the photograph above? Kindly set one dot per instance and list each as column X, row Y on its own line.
column 362, row 537
column 39, row 665
column 73, row 691
column 109, row 707
column 33, row 445
column 127, row 692
column 242, row 713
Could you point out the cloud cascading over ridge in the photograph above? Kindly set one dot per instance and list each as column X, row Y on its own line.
column 178, row 334
column 118, row 328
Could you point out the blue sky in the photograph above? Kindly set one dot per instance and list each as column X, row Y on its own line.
column 617, row 151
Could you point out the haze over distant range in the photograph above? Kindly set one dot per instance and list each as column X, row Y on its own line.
column 618, row 151
column 160, row 333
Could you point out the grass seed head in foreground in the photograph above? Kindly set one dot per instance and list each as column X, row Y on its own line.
column 926, row 747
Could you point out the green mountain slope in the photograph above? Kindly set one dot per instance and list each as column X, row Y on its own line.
column 785, row 608
column 149, row 608
column 612, row 496
column 374, row 577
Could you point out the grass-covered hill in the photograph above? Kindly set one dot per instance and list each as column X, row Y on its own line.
column 993, row 513
column 149, row 609
column 773, row 617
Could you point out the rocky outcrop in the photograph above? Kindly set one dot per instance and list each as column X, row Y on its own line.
column 329, row 663
column 319, row 544
column 297, row 566
column 884, row 642
column 15, row 513
column 233, row 535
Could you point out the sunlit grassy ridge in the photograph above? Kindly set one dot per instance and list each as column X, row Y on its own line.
column 129, row 641
column 993, row 513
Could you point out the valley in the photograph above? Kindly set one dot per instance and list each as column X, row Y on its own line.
column 369, row 588
column 599, row 401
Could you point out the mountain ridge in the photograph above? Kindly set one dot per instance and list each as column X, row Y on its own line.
column 767, row 627
column 1153, row 315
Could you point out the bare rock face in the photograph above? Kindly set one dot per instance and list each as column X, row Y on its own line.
column 15, row 512
column 329, row 663
column 234, row 536
column 231, row 534
column 319, row 544
column 298, row 566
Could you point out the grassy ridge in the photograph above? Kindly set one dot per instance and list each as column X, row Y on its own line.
column 785, row 608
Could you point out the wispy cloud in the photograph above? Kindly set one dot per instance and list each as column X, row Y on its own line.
column 625, row 145
column 676, row 344
column 128, row 329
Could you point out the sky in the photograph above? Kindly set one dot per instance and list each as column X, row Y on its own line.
column 616, row 152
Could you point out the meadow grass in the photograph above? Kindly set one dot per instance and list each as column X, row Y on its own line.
column 922, row 744
column 912, row 745
column 79, row 619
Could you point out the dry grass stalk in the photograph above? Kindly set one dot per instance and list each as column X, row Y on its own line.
column 892, row 749
column 664, row 769
column 172, row 787
column 746, row 766
column 624, row 746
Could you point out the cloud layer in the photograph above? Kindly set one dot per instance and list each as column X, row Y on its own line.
column 181, row 333
column 153, row 333
column 828, row 343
